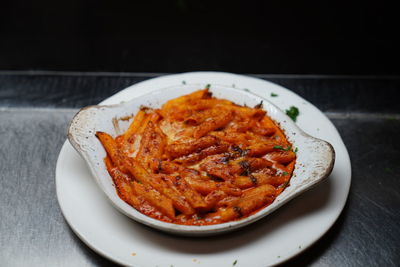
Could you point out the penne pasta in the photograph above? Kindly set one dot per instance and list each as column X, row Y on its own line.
column 180, row 149
column 199, row 160
column 135, row 125
column 151, row 147
column 156, row 199
column 213, row 123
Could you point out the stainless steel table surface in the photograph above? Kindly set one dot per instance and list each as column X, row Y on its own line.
column 36, row 107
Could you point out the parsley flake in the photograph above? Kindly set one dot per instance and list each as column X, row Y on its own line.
column 234, row 263
column 247, row 90
column 285, row 173
column 183, row 82
column 274, row 95
column 296, row 149
column 208, row 86
column 293, row 112
column 289, row 148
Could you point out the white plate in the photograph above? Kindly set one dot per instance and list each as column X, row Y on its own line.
column 272, row 240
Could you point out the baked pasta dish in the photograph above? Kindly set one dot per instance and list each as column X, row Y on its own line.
column 199, row 160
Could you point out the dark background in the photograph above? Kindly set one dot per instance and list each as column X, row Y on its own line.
column 259, row 36
column 268, row 38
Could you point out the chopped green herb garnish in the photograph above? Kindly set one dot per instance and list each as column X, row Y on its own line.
column 208, row 86
column 285, row 173
column 247, row 90
column 293, row 112
column 282, row 148
column 296, row 149
column 234, row 263
column 274, row 95
column 183, row 82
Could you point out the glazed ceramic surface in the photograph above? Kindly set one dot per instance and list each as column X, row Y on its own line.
column 315, row 158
